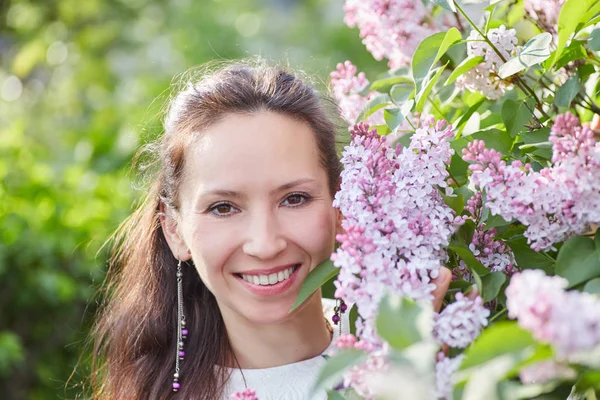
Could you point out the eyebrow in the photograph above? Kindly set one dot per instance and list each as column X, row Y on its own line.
column 232, row 193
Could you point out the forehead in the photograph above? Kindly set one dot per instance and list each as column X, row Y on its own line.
column 252, row 151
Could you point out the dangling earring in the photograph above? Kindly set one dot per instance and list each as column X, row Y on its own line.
column 340, row 308
column 181, row 329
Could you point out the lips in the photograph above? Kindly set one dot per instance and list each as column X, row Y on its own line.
column 270, row 282
column 269, row 279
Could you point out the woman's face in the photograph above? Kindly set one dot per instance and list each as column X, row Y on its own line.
column 255, row 212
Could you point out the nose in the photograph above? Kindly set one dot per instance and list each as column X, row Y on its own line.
column 264, row 237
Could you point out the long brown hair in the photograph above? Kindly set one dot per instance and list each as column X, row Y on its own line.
column 134, row 337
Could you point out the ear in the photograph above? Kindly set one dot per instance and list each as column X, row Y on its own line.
column 339, row 230
column 170, row 227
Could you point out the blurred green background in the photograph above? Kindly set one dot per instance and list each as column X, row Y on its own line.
column 80, row 87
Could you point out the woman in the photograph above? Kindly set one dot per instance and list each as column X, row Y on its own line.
column 239, row 213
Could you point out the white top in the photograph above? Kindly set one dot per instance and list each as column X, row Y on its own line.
column 291, row 381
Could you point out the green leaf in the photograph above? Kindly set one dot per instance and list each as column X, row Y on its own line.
column 529, row 259
column 492, row 283
column 373, row 105
column 592, row 286
column 315, row 279
column 383, row 85
column 495, row 221
column 469, row 258
column 393, row 117
column 446, row 4
column 495, row 139
column 462, row 119
column 571, row 14
column 539, row 135
column 578, row 260
column 594, row 40
column 421, row 97
column 463, row 67
column 504, row 337
column 458, row 169
column 535, row 51
column 402, row 92
column 455, row 202
column 452, row 37
column 574, row 51
column 403, row 322
column 332, row 372
column 334, row 395
column 429, row 51
column 516, row 114
column 567, row 92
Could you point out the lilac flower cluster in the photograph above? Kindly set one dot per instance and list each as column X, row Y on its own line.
column 246, row 394
column 445, row 368
column 396, row 223
column 460, row 322
column 554, row 203
column 493, row 254
column 484, row 77
column 347, row 87
column 570, row 321
column 544, row 12
column 545, row 371
column 390, row 29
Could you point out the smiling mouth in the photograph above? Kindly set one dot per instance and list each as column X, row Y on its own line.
column 271, row 279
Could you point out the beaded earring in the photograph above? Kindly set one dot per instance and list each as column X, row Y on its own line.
column 340, row 308
column 182, row 331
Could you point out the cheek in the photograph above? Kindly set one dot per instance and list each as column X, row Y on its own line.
column 316, row 234
column 210, row 248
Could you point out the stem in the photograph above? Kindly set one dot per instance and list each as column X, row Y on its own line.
column 519, row 82
column 504, row 310
column 459, row 22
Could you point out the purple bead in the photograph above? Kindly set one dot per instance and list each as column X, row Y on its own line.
column 181, row 354
column 336, row 319
column 184, row 332
column 176, row 386
column 343, row 307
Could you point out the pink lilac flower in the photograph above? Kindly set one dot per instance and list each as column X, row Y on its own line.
column 390, row 29
column 545, row 371
column 493, row 254
column 569, row 321
column 484, row 77
column 396, row 223
column 347, row 87
column 246, row 394
column 544, row 12
column 460, row 322
column 445, row 368
column 555, row 203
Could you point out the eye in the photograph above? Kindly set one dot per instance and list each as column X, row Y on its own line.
column 296, row 200
column 222, row 210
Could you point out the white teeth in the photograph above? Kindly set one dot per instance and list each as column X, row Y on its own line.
column 271, row 279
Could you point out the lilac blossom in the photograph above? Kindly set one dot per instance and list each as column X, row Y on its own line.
column 484, row 77
column 460, row 322
column 555, row 203
column 544, row 12
column 445, row 368
column 396, row 223
column 390, row 29
column 569, row 321
column 246, row 394
column 348, row 88
column 545, row 371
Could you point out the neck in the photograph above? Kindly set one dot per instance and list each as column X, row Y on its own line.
column 302, row 336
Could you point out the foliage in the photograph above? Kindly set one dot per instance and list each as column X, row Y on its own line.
column 514, row 99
